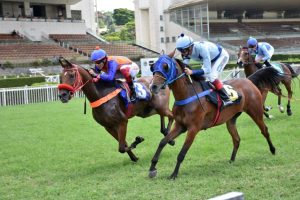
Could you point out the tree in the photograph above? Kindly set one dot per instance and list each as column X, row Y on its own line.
column 128, row 32
column 123, row 16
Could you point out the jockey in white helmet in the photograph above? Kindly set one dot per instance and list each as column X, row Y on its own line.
column 213, row 56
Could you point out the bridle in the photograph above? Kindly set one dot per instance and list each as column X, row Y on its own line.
column 78, row 83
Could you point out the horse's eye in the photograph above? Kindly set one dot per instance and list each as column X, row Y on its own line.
column 166, row 67
column 72, row 76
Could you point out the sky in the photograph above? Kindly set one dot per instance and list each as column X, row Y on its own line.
column 110, row 5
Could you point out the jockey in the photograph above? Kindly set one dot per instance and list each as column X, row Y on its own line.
column 263, row 51
column 214, row 59
column 107, row 66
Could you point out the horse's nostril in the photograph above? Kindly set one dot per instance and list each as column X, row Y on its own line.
column 153, row 87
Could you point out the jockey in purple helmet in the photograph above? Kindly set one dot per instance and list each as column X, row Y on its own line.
column 107, row 66
column 263, row 51
column 214, row 59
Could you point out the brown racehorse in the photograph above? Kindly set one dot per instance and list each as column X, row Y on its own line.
column 250, row 67
column 199, row 115
column 112, row 114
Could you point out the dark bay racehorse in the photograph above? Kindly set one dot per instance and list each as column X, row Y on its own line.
column 196, row 116
column 249, row 66
column 112, row 114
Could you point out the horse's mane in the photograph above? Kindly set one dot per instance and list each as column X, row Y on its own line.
column 183, row 65
column 266, row 78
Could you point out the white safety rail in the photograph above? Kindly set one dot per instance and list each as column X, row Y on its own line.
column 232, row 73
column 28, row 95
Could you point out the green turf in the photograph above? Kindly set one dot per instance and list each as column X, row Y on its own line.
column 53, row 151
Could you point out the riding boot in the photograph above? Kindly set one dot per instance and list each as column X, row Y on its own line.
column 267, row 64
column 225, row 97
column 132, row 91
column 258, row 65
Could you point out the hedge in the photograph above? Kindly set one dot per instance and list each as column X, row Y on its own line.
column 19, row 82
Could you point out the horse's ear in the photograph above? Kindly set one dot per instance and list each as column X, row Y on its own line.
column 171, row 55
column 151, row 67
column 64, row 62
column 162, row 52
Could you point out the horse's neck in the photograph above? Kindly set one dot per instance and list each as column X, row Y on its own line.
column 182, row 89
column 250, row 69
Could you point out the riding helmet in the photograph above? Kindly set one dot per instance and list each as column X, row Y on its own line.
column 98, row 55
column 184, row 42
column 251, row 42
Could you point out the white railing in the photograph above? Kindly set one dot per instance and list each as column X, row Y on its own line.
column 28, row 95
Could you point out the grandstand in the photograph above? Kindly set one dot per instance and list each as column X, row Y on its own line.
column 229, row 22
column 41, row 30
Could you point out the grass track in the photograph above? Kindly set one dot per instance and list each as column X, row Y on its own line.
column 53, row 151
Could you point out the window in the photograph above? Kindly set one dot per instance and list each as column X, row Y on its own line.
column 162, row 40
column 167, row 39
column 161, row 18
column 161, row 29
column 173, row 39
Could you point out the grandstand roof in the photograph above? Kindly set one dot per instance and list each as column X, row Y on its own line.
column 267, row 5
column 70, row 2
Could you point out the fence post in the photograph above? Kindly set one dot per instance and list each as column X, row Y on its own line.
column 26, row 100
column 48, row 97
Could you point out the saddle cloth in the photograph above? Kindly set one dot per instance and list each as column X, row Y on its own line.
column 234, row 96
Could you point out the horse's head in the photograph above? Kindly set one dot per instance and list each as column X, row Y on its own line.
column 245, row 56
column 164, row 72
column 71, row 80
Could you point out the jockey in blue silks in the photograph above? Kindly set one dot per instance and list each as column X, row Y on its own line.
column 263, row 51
column 214, row 59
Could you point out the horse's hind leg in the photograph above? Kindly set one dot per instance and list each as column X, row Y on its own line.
column 256, row 113
column 231, row 127
column 288, row 87
column 177, row 129
column 163, row 128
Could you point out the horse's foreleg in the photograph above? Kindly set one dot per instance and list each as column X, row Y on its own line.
column 280, row 107
column 231, row 127
column 266, row 108
column 114, row 133
column 186, row 146
column 177, row 129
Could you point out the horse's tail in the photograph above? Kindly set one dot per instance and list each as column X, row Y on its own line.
column 266, row 78
column 293, row 72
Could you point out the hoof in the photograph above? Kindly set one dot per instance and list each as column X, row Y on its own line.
column 268, row 108
column 139, row 139
column 134, row 159
column 172, row 143
column 273, row 151
column 281, row 109
column 270, row 117
column 289, row 113
column 152, row 173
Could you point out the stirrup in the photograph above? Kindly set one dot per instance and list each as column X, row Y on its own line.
column 227, row 103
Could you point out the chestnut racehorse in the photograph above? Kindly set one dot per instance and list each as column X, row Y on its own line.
column 200, row 114
column 112, row 114
column 249, row 67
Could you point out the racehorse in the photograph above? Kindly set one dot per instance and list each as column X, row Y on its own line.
column 199, row 115
column 288, row 72
column 109, row 109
